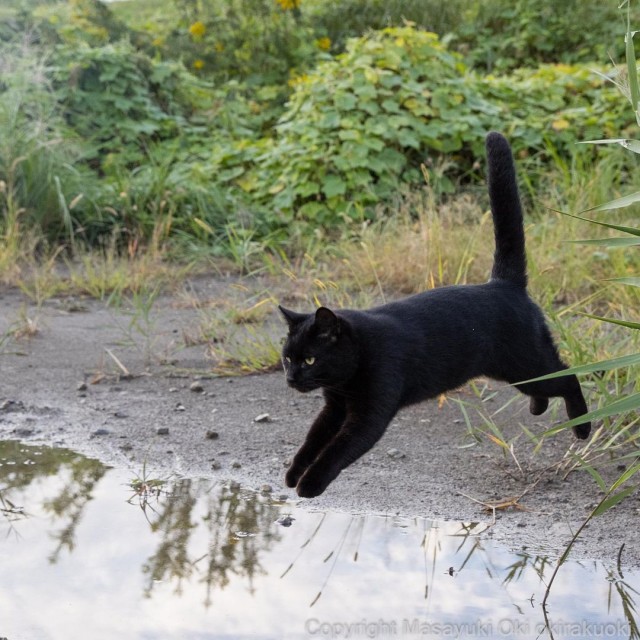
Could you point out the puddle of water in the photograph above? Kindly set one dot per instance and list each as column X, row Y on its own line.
column 90, row 552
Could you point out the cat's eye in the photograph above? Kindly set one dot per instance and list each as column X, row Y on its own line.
column 309, row 361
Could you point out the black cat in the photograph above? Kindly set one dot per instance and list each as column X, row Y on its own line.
column 371, row 363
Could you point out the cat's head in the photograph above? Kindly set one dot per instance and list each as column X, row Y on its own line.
column 320, row 350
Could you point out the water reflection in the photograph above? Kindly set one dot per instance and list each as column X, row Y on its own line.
column 185, row 558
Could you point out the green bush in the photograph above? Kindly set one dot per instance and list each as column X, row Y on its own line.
column 39, row 156
column 506, row 34
column 121, row 100
column 358, row 128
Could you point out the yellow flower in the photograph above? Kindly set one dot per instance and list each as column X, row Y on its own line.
column 287, row 5
column 296, row 79
column 324, row 43
column 197, row 29
column 560, row 124
column 218, row 47
column 198, row 64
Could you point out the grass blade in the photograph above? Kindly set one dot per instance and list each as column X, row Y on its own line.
column 631, row 145
column 603, row 365
column 622, row 405
column 622, row 323
column 613, row 500
column 634, row 231
column 609, row 242
column 632, row 281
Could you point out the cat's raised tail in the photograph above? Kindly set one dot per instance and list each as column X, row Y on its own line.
column 510, row 262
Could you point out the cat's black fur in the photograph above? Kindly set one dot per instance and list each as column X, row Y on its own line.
column 371, row 363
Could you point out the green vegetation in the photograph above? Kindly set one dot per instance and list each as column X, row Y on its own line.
column 138, row 136
column 197, row 125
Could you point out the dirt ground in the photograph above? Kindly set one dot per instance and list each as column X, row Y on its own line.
column 65, row 387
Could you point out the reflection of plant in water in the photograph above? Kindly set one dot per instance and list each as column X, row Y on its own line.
column 626, row 593
column 22, row 465
column 174, row 524
column 239, row 527
column 145, row 490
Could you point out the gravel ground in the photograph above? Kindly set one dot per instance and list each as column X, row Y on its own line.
column 65, row 386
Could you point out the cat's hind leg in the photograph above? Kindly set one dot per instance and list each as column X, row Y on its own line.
column 538, row 405
column 566, row 387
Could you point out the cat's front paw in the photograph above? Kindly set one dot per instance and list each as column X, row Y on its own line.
column 293, row 475
column 313, row 483
column 310, row 487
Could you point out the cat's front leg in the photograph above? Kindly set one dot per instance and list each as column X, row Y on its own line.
column 355, row 438
column 323, row 429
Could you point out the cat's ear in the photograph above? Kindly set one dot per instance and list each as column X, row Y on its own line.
column 327, row 323
column 293, row 318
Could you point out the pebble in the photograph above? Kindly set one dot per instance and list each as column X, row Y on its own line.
column 180, row 407
column 285, row 521
column 196, row 387
column 266, row 488
column 216, row 466
column 120, row 414
column 162, row 431
column 235, row 465
column 396, row 454
column 212, row 435
column 263, row 417
column 82, row 386
column 100, row 432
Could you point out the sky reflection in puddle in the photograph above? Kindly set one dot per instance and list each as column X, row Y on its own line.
column 88, row 552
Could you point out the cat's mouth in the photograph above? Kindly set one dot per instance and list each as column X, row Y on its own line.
column 302, row 387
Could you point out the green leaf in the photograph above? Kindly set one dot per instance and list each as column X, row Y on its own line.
column 333, row 186
column 609, row 242
column 622, row 323
column 618, row 203
column 622, row 405
column 634, row 231
column 632, row 281
column 592, row 472
column 632, row 69
column 603, row 365
column 631, row 145
column 631, row 471
column 613, row 500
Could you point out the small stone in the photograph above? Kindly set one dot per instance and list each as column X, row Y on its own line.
column 23, row 433
column 127, row 446
column 100, row 432
column 196, row 387
column 263, row 417
column 120, row 414
column 11, row 405
column 173, row 390
column 234, row 486
column 180, row 407
column 216, row 466
column 162, row 431
column 212, row 435
column 285, row 521
column 82, row 386
column 396, row 454
column 235, row 465
column 266, row 488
